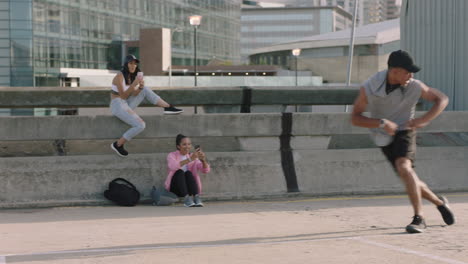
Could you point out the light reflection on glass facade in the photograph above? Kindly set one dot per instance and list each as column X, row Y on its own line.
column 264, row 27
column 47, row 35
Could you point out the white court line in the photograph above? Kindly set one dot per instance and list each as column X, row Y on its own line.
column 408, row 251
column 120, row 249
column 357, row 238
column 343, row 198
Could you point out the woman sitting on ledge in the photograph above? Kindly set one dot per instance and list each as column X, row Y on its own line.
column 128, row 91
column 183, row 167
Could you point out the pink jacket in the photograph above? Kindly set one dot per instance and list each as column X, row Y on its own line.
column 173, row 164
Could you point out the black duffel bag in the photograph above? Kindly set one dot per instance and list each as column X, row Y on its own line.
column 122, row 192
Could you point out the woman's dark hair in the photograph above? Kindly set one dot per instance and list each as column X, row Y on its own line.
column 179, row 139
column 128, row 76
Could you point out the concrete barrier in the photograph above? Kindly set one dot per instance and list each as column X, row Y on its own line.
column 366, row 171
column 66, row 160
column 73, row 180
column 213, row 125
column 14, row 97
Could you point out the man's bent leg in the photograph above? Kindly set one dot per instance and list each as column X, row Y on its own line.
column 414, row 190
column 429, row 195
column 411, row 181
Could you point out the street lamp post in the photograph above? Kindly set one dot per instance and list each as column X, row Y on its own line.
column 195, row 21
column 351, row 48
column 296, row 53
column 177, row 29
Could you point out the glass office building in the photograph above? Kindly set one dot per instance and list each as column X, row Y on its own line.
column 38, row 37
column 264, row 27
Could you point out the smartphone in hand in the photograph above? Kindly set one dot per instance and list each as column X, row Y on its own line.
column 140, row 75
column 197, row 147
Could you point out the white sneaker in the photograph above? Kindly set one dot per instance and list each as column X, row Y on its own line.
column 188, row 201
column 198, row 201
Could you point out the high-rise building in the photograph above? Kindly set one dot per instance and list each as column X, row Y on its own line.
column 38, row 37
column 374, row 11
column 327, row 54
column 369, row 11
column 263, row 27
column 393, row 9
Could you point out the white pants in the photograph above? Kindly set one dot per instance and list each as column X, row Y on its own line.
column 123, row 109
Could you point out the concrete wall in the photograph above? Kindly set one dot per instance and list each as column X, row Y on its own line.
column 35, row 181
column 67, row 160
column 366, row 171
column 26, row 97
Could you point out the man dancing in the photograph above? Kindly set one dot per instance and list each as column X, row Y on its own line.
column 391, row 97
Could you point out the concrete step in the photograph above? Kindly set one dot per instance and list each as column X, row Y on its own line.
column 74, row 180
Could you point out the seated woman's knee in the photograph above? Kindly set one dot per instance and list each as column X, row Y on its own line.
column 179, row 174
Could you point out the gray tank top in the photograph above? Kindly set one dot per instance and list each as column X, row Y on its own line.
column 398, row 106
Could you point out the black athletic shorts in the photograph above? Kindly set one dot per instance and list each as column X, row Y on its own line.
column 403, row 145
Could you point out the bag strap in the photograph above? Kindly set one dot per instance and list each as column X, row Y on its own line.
column 124, row 180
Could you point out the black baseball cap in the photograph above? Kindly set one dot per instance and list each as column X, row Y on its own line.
column 131, row 57
column 402, row 59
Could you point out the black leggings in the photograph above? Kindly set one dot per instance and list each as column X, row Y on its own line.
column 184, row 183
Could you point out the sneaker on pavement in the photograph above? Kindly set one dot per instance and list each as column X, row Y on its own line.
column 171, row 110
column 198, row 201
column 188, row 201
column 446, row 212
column 417, row 226
column 119, row 150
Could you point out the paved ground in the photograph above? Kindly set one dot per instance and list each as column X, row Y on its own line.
column 335, row 230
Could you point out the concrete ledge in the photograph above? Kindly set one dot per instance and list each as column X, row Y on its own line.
column 243, row 149
column 340, row 123
column 73, row 147
column 366, row 171
column 312, row 95
column 213, row 125
column 54, row 180
column 35, row 148
column 11, row 97
column 73, row 180
column 109, row 127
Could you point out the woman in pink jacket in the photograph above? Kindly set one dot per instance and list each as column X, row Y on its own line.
column 183, row 167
